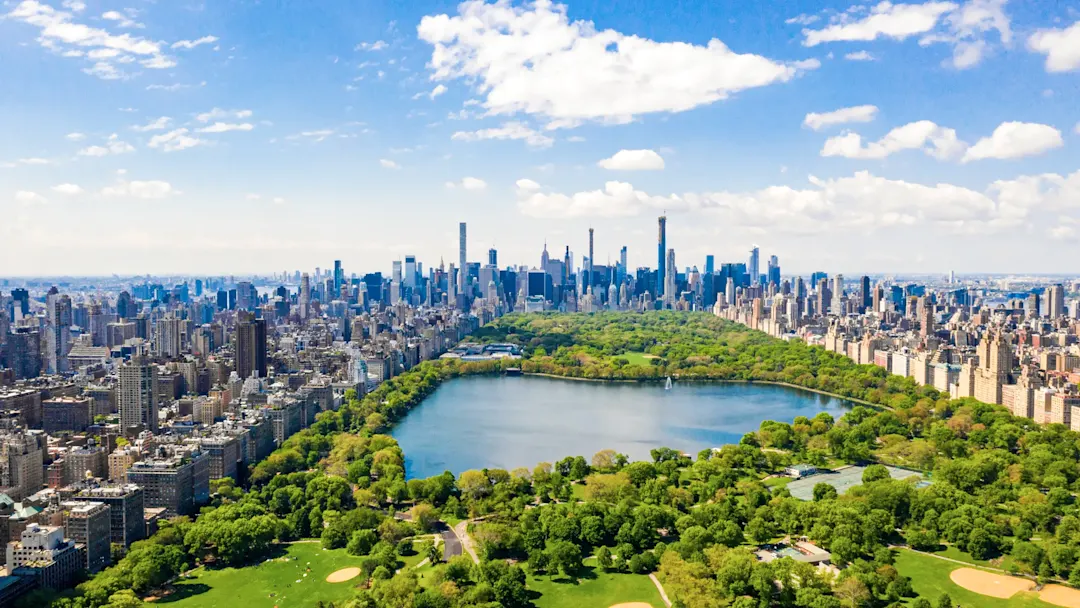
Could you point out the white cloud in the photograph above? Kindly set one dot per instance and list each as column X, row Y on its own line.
column 75, row 136
column 925, row 135
column 802, row 20
column 218, row 113
column 965, row 27
column 113, row 145
column 1009, row 140
column 172, row 88
column 253, row 197
column 158, row 124
column 818, row 121
column 1061, row 47
column 60, row 34
column 1016, row 140
column 175, row 140
column 438, row 90
column 378, row 45
column 68, row 189
column 388, row 164
column 860, row 56
column 887, row 20
column 121, row 19
column 1062, row 233
column 509, row 130
column 277, row 200
column 34, row 160
column 862, row 202
column 532, row 59
column 74, row 6
column 473, row 184
column 190, row 44
column 27, row 198
column 140, row 189
column 314, row 136
column 633, row 160
column 223, row 127
column 575, row 139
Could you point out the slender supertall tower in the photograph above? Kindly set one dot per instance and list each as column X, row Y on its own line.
column 754, row 268
column 588, row 271
column 661, row 262
column 462, row 275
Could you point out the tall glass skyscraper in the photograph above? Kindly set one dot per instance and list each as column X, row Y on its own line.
column 661, row 261
column 755, row 266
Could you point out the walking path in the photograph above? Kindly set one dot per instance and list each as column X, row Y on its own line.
column 660, row 588
column 461, row 531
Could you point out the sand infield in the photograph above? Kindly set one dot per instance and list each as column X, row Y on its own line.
column 632, row 605
column 343, row 575
column 1060, row 595
column 988, row 583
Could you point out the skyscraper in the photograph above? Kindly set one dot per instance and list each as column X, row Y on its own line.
column 305, row 296
column 754, row 268
column 493, row 256
column 1055, row 301
column 409, row 279
column 589, row 270
column 136, row 396
column 710, row 264
column 867, row 296
column 774, row 270
column 339, row 276
column 669, row 280
column 661, row 262
column 250, row 345
column 462, row 263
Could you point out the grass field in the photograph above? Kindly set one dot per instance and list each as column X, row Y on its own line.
column 638, row 358
column 930, row 578
column 251, row 587
column 593, row 588
column 1002, row 562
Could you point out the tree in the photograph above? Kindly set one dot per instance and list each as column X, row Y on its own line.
column 944, row 601
column 853, row 592
column 424, row 516
column 564, row 556
column 824, row 491
column 434, row 553
column 603, row 557
column 604, row 460
column 875, row 472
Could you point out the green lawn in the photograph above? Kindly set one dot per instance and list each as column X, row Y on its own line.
column 252, row 586
column 638, row 358
column 594, row 588
column 778, row 482
column 1002, row 562
column 930, row 578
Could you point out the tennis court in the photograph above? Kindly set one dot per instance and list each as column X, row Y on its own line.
column 842, row 479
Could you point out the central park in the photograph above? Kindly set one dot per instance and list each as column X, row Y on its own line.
column 453, row 485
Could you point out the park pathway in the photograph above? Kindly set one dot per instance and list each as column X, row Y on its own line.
column 461, row 531
column 660, row 588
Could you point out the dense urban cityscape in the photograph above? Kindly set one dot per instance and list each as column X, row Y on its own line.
column 123, row 399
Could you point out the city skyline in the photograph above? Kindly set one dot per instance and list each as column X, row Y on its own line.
column 213, row 139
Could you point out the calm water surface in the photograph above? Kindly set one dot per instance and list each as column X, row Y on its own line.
column 509, row 422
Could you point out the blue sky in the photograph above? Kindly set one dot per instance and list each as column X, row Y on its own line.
column 177, row 137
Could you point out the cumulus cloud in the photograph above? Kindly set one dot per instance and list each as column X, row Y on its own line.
column 153, row 189
column 386, row 163
column 438, row 90
column 633, row 160
column 509, row 130
column 121, row 19
column 378, row 45
column 473, row 184
column 966, row 27
column 818, row 121
column 75, row 136
column 68, row 189
column 224, row 127
column 113, row 145
column 1061, row 47
column 190, row 44
column 175, row 140
column 1016, row 140
column 218, row 113
column 158, row 124
column 106, row 52
column 860, row 56
column 28, row 198
column 533, row 59
column 862, row 202
column 886, row 20
column 33, row 160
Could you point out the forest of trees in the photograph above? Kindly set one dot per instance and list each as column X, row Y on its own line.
column 1001, row 486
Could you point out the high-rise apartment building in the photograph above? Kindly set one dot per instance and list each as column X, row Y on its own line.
column 89, row 523
column 136, row 395
column 1055, row 301
column 250, row 346
column 22, row 458
column 170, row 332
column 754, row 267
column 462, row 262
column 589, row 271
column 125, row 501
column 661, row 257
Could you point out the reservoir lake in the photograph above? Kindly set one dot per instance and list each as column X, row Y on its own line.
column 518, row 421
